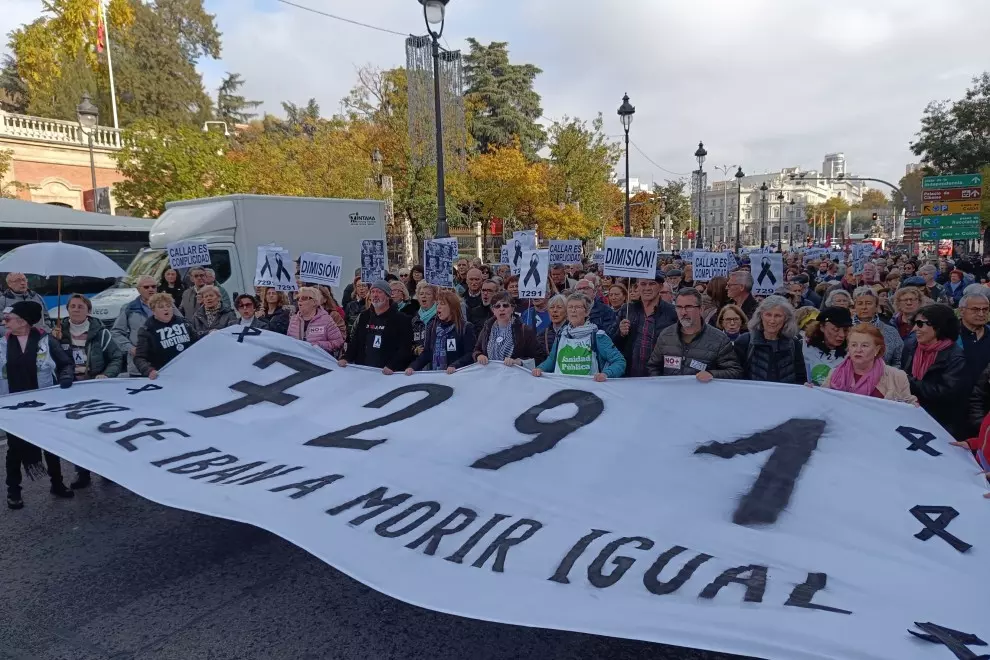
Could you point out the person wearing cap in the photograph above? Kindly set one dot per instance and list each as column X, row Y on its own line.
column 30, row 359
column 639, row 323
column 382, row 336
column 17, row 291
column 825, row 348
column 673, row 278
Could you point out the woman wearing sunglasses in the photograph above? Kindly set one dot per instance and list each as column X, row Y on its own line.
column 505, row 338
column 934, row 364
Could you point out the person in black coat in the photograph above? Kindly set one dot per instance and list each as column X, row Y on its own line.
column 172, row 284
column 449, row 331
column 935, row 364
column 32, row 359
column 162, row 338
column 771, row 350
column 382, row 336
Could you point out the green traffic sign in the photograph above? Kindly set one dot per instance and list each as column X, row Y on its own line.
column 952, row 181
column 953, row 233
column 912, row 222
column 950, row 221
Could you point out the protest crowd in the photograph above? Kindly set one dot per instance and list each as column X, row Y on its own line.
column 906, row 329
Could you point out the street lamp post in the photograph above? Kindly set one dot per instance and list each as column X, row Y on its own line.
column 88, row 116
column 763, row 214
column 434, row 11
column 626, row 112
column 739, row 176
column 700, row 154
column 790, row 226
column 780, row 221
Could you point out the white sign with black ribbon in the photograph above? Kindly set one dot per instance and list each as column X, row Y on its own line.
column 826, row 526
column 631, row 257
column 533, row 279
column 316, row 268
column 186, row 254
column 274, row 269
column 522, row 241
column 768, row 272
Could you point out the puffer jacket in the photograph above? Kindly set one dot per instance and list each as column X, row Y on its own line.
column 938, row 391
column 225, row 317
column 762, row 362
column 610, row 360
column 103, row 355
column 710, row 351
column 322, row 331
column 133, row 316
column 279, row 320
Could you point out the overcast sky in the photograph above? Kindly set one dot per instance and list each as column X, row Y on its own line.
column 765, row 83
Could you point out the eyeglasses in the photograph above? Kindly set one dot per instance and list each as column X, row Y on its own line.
column 244, row 305
column 920, row 323
column 489, row 290
column 501, row 305
column 304, row 298
column 978, row 310
column 684, row 308
column 149, row 287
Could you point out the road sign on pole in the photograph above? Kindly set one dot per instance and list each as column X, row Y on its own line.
column 957, row 233
column 950, row 221
column 951, row 194
column 952, row 181
column 945, row 208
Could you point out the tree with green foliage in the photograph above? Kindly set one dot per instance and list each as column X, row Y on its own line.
column 7, row 190
column 955, row 135
column 234, row 108
column 909, row 199
column 163, row 163
column 674, row 203
column 872, row 199
column 500, row 99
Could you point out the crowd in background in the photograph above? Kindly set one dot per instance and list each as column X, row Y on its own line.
column 901, row 329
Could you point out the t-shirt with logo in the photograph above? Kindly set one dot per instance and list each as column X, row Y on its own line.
column 576, row 351
column 374, row 329
column 170, row 340
column 819, row 363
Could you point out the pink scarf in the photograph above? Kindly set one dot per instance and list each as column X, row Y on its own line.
column 924, row 357
column 844, row 379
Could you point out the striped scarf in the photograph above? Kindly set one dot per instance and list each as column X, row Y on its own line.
column 500, row 342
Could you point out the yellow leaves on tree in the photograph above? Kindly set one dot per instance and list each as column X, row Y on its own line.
column 506, row 184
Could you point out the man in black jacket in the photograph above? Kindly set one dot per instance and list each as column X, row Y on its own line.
column 638, row 324
column 162, row 338
column 479, row 314
column 382, row 336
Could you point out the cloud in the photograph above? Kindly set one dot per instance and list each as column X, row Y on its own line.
column 765, row 84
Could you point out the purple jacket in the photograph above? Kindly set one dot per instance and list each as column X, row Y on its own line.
column 322, row 331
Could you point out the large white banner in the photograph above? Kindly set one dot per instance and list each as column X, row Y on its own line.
column 823, row 526
column 631, row 257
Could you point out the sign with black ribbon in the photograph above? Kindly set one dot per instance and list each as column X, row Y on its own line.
column 768, row 272
column 274, row 269
column 533, row 280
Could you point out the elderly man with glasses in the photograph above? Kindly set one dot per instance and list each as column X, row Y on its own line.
column 17, row 290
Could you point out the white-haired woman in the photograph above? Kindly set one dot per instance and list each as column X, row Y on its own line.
column 557, row 309
column 771, row 350
column 212, row 315
column 839, row 298
column 581, row 349
column 866, row 309
column 313, row 323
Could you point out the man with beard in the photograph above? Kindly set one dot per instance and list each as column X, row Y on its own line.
column 383, row 336
column 692, row 347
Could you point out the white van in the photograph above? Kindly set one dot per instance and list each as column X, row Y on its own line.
column 236, row 225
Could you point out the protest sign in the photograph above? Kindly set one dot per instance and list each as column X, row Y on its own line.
column 768, row 273
column 186, row 254
column 440, row 254
column 372, row 260
column 533, row 280
column 315, row 268
column 815, row 253
column 504, row 256
column 731, row 257
column 706, row 265
column 785, row 532
column 861, row 252
column 631, row 257
column 837, row 255
column 273, row 269
column 565, row 252
column 521, row 242
column 686, row 255
column 598, row 257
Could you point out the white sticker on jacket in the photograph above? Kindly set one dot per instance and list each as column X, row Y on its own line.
column 671, row 362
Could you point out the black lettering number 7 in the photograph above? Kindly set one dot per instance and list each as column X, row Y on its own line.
column 343, row 439
column 548, row 434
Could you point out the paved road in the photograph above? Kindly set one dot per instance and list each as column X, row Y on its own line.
column 111, row 576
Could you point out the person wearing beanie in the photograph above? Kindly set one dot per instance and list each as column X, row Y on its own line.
column 382, row 336
column 30, row 359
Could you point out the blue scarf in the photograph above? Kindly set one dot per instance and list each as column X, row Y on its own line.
column 426, row 315
column 443, row 330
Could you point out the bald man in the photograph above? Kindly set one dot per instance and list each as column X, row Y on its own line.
column 17, row 290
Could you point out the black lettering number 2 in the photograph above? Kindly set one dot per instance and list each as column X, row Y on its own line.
column 344, row 438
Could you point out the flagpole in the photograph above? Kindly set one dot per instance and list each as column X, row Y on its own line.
column 106, row 36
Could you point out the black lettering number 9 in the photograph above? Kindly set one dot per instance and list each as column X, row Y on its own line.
column 548, row 434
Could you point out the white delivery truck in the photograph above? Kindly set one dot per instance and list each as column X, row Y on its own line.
column 234, row 226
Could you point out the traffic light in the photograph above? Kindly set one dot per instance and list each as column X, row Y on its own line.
column 875, row 217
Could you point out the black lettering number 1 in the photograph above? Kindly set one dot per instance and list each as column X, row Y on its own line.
column 791, row 445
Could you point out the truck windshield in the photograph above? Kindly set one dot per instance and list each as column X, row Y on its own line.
column 148, row 262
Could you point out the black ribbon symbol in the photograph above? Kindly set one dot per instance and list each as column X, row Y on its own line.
column 280, row 268
column 766, row 272
column 534, row 264
column 518, row 255
column 267, row 266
